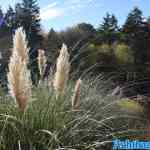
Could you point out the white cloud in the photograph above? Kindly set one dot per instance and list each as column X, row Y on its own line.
column 71, row 7
column 79, row 4
column 52, row 5
column 50, row 12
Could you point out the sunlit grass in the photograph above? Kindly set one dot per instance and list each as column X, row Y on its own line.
column 49, row 123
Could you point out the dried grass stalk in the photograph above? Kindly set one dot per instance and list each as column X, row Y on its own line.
column 19, row 82
column 20, row 45
column 62, row 70
column 76, row 95
column 41, row 62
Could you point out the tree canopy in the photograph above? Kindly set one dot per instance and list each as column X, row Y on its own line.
column 109, row 44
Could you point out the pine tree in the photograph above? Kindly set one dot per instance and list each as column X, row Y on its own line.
column 31, row 21
column 4, row 28
column 108, row 29
column 28, row 16
column 135, row 36
column 1, row 13
column 54, row 43
column 1, row 22
column 10, row 19
column 134, row 20
column 86, row 30
column 5, row 44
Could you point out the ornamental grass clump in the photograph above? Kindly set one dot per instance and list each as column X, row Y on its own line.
column 19, row 82
column 62, row 71
column 50, row 124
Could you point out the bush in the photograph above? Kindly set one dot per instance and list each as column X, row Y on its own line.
column 105, row 48
column 123, row 54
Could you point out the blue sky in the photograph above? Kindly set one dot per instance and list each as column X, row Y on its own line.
column 59, row 14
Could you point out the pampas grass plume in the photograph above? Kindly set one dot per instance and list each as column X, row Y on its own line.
column 41, row 62
column 76, row 95
column 20, row 45
column 62, row 70
column 19, row 82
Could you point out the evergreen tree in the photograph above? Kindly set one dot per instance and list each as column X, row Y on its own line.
column 2, row 20
column 5, row 44
column 133, row 20
column 137, row 35
column 28, row 16
column 86, row 30
column 108, row 29
column 10, row 19
column 54, row 43
column 70, row 36
column 2, row 25
column 31, row 21
column 148, row 20
column 1, row 13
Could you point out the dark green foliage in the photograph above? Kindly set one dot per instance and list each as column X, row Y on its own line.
column 82, row 32
column 53, row 45
column 137, row 33
column 2, row 24
column 86, row 30
column 134, row 19
column 108, row 29
column 27, row 15
column 10, row 19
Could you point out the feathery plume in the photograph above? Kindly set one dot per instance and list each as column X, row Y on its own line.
column 19, row 82
column 20, row 45
column 62, row 70
column 76, row 95
column 41, row 62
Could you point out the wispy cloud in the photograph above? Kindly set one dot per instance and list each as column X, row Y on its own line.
column 76, row 6
column 79, row 2
column 51, row 11
column 51, row 5
column 71, row 7
column 50, row 14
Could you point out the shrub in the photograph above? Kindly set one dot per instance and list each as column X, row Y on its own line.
column 123, row 54
column 105, row 48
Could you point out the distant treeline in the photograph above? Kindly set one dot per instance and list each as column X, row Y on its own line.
column 113, row 48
